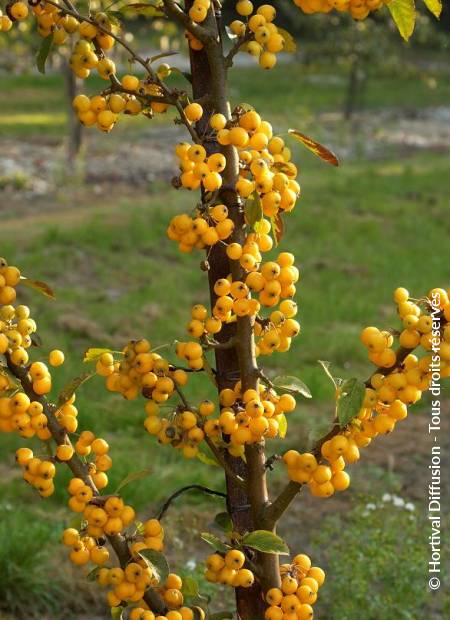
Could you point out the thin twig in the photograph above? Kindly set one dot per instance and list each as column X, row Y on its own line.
column 190, row 487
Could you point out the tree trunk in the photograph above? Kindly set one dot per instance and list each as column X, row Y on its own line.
column 212, row 83
column 75, row 129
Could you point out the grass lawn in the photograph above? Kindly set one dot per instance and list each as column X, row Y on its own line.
column 358, row 232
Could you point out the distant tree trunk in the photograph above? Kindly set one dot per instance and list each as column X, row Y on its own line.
column 355, row 86
column 75, row 128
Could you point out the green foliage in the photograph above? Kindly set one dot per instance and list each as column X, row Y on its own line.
column 265, row 541
column 25, row 546
column 385, row 546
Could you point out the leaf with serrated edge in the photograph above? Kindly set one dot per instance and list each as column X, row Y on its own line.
column 315, row 147
column 215, row 542
column 292, row 383
column 404, row 15
column 351, row 398
column 38, row 285
column 435, row 6
column 157, row 561
column 66, row 394
column 265, row 541
column 136, row 475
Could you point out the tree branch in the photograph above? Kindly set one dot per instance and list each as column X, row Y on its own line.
column 80, row 470
column 190, row 487
column 173, row 10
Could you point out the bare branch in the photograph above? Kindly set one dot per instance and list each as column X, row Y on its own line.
column 173, row 10
column 190, row 487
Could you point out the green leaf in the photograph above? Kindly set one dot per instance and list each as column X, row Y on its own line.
column 117, row 613
column 139, row 527
column 221, row 615
column 136, row 475
column 37, row 285
column 351, row 398
column 157, row 562
column 282, row 425
column 43, row 52
column 253, row 209
column 93, row 354
column 222, row 520
column 190, row 587
column 435, row 6
column 265, row 541
column 215, row 542
column 70, row 389
column 293, row 384
column 290, row 46
column 326, row 367
column 92, row 575
column 404, row 15
column 207, row 460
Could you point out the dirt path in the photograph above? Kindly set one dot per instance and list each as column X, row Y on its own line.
column 31, row 170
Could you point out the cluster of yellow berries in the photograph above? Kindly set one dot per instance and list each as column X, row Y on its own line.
column 358, row 9
column 323, row 480
column 204, row 230
column 130, row 98
column 140, row 371
column 407, row 382
column 199, row 169
column 266, row 41
column 300, row 583
column 182, row 613
column 265, row 166
column 183, row 430
column 247, row 417
column 228, row 569
column 38, row 473
column 107, row 520
column 18, row 413
column 84, row 549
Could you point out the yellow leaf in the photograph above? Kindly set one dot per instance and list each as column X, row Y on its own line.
column 282, row 425
column 314, row 146
column 92, row 355
column 435, row 6
column 404, row 15
column 42, row 287
column 290, row 45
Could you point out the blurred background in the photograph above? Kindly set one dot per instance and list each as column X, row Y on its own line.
column 87, row 212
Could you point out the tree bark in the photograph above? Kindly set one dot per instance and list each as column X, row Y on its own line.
column 75, row 129
column 209, row 79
